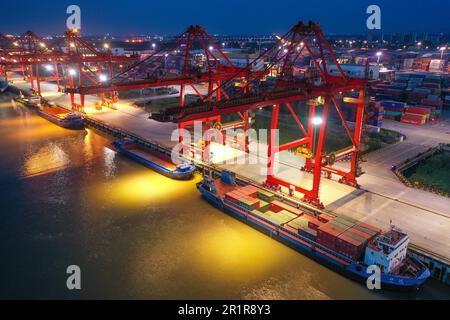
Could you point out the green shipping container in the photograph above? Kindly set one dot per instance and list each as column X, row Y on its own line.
column 342, row 222
column 299, row 223
column 365, row 230
column 263, row 206
column 354, row 236
column 266, row 196
column 347, row 218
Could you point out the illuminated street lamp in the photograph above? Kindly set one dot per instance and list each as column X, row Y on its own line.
column 211, row 48
column 106, row 46
column 103, row 78
column 442, row 49
column 316, row 121
column 153, row 46
column 379, row 54
column 49, row 67
column 72, row 72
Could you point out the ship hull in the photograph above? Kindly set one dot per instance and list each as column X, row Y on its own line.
column 173, row 174
column 350, row 269
column 3, row 86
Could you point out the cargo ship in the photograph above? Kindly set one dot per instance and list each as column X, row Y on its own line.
column 339, row 243
column 154, row 159
column 62, row 117
column 3, row 84
column 29, row 101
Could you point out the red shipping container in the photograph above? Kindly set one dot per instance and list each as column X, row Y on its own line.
column 327, row 234
column 432, row 102
column 361, row 234
column 412, row 121
column 232, row 196
column 349, row 247
column 417, row 110
column 325, row 217
column 277, row 206
column 314, row 223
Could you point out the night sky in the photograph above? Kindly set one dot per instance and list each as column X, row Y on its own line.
column 233, row 17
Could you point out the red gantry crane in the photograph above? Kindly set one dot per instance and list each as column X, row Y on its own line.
column 190, row 59
column 29, row 53
column 319, row 88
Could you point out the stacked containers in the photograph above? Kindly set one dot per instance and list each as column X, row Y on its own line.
column 277, row 206
column 368, row 229
column 249, row 203
column 299, row 223
column 265, row 196
column 350, row 244
column 436, row 104
column 314, row 223
column 393, row 110
column 327, row 234
column 282, row 217
column 374, row 114
column 308, row 233
column 346, row 236
column 416, row 115
column 325, row 217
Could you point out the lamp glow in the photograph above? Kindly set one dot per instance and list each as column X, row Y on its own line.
column 317, row 121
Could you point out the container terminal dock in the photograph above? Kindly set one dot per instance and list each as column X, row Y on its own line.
column 377, row 198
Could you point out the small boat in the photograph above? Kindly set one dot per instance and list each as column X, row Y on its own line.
column 154, row 159
column 340, row 243
column 29, row 101
column 62, row 117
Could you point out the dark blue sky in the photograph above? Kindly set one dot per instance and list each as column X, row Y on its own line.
column 222, row 16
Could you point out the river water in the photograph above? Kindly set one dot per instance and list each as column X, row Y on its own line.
column 68, row 199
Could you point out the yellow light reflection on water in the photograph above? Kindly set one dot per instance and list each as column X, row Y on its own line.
column 45, row 160
column 141, row 189
column 236, row 252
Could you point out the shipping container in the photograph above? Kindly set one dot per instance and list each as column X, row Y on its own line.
column 266, row 196
column 308, row 233
column 349, row 245
column 327, row 234
column 278, row 206
column 368, row 228
column 314, row 223
column 325, row 217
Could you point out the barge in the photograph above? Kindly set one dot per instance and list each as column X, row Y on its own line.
column 62, row 117
column 340, row 243
column 57, row 115
column 154, row 159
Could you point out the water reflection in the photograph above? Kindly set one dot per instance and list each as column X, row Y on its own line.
column 136, row 233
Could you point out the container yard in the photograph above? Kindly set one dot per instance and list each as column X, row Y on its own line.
column 303, row 148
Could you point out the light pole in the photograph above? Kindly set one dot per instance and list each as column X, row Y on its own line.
column 442, row 49
column 317, row 121
column 379, row 54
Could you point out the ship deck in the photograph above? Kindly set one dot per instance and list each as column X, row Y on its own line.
column 153, row 158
